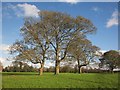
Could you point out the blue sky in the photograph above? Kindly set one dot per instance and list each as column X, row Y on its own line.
column 102, row 15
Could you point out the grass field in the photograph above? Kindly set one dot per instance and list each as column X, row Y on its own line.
column 63, row 80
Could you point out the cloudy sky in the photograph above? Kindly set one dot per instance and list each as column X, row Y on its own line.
column 104, row 16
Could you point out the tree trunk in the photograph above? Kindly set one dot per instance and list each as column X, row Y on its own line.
column 80, row 69
column 111, row 70
column 41, row 69
column 57, row 63
column 79, row 66
column 57, row 67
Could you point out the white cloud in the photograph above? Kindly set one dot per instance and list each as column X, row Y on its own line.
column 69, row 1
column 4, row 47
column 48, row 64
column 27, row 10
column 4, row 54
column 2, row 59
column 103, row 51
column 58, row 0
column 5, row 62
column 22, row 10
column 113, row 21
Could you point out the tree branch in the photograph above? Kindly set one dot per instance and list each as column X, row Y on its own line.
column 53, row 46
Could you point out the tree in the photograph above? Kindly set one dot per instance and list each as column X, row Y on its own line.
column 67, row 68
column 52, row 32
column 82, row 51
column 34, row 45
column 63, row 28
column 111, row 59
column 19, row 67
column 51, row 69
column 18, row 64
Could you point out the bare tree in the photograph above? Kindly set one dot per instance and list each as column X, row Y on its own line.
column 62, row 29
column 53, row 31
column 34, row 45
column 83, row 52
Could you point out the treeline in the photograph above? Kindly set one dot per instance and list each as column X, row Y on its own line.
column 28, row 68
column 17, row 68
column 63, row 69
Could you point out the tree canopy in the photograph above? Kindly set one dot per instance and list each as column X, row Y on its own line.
column 111, row 59
column 82, row 51
column 52, row 32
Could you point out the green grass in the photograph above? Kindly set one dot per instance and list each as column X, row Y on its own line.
column 63, row 80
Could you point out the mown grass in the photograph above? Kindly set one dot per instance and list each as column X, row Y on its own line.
column 63, row 80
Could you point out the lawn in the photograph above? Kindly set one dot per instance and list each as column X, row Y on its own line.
column 63, row 80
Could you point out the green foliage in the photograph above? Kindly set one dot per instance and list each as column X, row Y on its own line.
column 67, row 69
column 111, row 59
column 16, row 67
column 64, row 80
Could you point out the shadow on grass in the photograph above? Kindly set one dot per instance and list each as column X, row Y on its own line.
column 20, row 73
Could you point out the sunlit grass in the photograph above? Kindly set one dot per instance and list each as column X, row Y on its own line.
column 63, row 80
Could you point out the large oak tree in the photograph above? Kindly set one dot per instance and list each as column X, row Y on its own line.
column 54, row 31
column 34, row 45
column 63, row 29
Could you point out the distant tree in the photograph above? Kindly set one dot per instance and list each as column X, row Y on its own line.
column 18, row 64
column 111, row 59
column 65, row 68
column 15, row 67
column 75, row 68
column 83, row 52
column 9, row 69
column 26, row 68
column 50, row 69
column 5, row 69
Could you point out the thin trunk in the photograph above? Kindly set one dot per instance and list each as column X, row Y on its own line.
column 41, row 69
column 57, row 67
column 79, row 69
column 80, row 65
column 20, row 68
